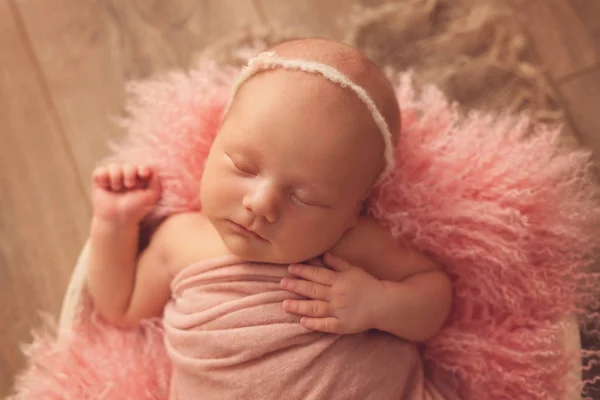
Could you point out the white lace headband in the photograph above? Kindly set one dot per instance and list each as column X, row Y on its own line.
column 270, row 60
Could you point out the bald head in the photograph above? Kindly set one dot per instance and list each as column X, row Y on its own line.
column 342, row 89
column 299, row 150
column 354, row 65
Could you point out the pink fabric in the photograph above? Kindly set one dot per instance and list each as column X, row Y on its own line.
column 508, row 216
column 229, row 338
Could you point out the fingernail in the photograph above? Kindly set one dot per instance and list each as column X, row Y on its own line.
column 284, row 282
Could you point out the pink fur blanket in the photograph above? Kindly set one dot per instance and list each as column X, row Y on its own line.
column 507, row 214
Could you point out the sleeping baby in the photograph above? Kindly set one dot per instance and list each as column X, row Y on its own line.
column 280, row 287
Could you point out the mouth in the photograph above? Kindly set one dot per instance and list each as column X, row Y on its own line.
column 245, row 231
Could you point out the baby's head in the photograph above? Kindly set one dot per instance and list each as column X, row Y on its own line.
column 297, row 154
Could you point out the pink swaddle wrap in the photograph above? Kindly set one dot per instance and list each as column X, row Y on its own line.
column 229, row 338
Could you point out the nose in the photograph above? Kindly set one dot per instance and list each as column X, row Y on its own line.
column 263, row 200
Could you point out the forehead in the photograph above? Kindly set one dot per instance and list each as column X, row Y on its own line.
column 304, row 111
column 305, row 119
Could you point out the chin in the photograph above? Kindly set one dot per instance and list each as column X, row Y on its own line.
column 244, row 249
column 257, row 254
column 263, row 251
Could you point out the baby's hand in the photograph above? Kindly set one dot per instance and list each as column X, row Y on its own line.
column 124, row 193
column 341, row 299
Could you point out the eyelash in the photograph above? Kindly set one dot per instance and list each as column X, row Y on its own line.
column 242, row 170
column 309, row 203
column 306, row 203
column 295, row 198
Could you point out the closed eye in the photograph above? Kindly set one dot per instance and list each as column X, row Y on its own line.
column 242, row 167
column 307, row 202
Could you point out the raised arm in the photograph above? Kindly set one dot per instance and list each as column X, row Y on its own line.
column 124, row 285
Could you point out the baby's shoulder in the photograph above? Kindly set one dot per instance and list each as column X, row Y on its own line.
column 362, row 237
column 186, row 238
column 373, row 247
column 180, row 222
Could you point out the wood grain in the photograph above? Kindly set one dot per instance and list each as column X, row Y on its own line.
column 561, row 42
column 63, row 67
column 88, row 50
column 588, row 12
column 43, row 211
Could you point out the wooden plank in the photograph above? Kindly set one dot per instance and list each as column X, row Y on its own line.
column 87, row 50
column 63, row 66
column 308, row 18
column 588, row 12
column 43, row 211
column 561, row 42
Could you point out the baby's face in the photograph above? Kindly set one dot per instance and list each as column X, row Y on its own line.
column 293, row 161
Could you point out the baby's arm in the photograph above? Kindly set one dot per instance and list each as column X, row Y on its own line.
column 125, row 287
column 416, row 308
column 371, row 283
column 416, row 294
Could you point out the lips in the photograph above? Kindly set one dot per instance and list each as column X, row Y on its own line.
column 245, row 231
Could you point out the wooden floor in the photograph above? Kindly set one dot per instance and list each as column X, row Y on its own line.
column 63, row 64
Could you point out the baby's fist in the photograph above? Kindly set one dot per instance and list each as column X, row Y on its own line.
column 124, row 193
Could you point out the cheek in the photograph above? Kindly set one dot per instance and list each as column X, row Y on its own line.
column 219, row 188
column 320, row 231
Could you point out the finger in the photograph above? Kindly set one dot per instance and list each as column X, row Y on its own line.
column 310, row 308
column 304, row 288
column 320, row 275
column 116, row 177
column 100, row 177
column 146, row 177
column 329, row 324
column 144, row 172
column 129, row 176
column 336, row 263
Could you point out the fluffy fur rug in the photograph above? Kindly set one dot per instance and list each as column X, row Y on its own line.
column 507, row 213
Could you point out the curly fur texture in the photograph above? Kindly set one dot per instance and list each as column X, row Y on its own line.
column 509, row 215
column 97, row 362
